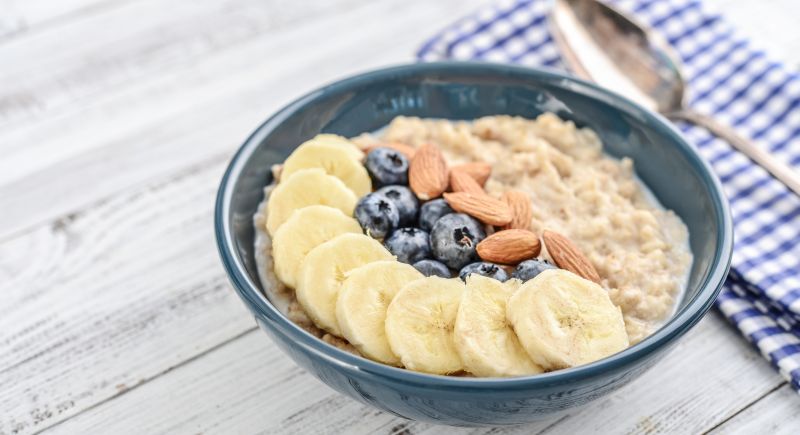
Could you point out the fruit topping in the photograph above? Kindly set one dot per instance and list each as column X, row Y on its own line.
column 431, row 211
column 409, row 245
column 454, row 238
column 563, row 320
column 406, row 202
column 303, row 188
column 325, row 268
column 529, row 269
column 419, row 325
column 489, row 270
column 484, row 340
column 386, row 167
column 430, row 267
column 361, row 306
column 377, row 214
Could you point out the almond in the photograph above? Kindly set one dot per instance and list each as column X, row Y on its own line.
column 461, row 181
column 567, row 256
column 480, row 206
column 406, row 150
column 521, row 210
column 509, row 246
column 427, row 173
column 480, row 171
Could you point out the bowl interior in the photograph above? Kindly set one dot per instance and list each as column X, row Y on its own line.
column 675, row 174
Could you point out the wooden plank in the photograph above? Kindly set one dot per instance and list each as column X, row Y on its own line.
column 186, row 114
column 22, row 16
column 95, row 53
column 113, row 295
column 64, row 70
column 245, row 376
column 118, row 295
column 247, row 388
column 775, row 414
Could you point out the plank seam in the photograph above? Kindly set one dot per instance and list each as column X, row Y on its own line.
column 147, row 183
column 153, row 378
column 744, row 408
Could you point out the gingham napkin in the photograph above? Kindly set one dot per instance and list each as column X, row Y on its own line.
column 739, row 85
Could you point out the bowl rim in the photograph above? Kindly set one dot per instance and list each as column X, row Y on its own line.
column 677, row 325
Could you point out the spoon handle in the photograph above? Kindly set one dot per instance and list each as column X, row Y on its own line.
column 780, row 170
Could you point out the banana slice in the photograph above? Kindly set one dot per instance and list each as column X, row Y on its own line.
column 334, row 160
column 485, row 341
column 325, row 268
column 303, row 188
column 419, row 325
column 563, row 320
column 361, row 308
column 306, row 228
column 334, row 139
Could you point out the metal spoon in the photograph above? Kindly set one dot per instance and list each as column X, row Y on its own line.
column 601, row 44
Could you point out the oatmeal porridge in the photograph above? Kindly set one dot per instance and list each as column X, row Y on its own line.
column 475, row 240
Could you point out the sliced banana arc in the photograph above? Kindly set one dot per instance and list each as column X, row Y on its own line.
column 335, row 160
column 420, row 322
column 364, row 297
column 563, row 320
column 324, row 269
column 484, row 339
column 345, row 144
column 303, row 188
column 305, row 229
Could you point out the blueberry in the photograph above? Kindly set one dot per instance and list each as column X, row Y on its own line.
column 377, row 215
column 453, row 239
column 528, row 269
column 432, row 268
column 406, row 202
column 483, row 268
column 431, row 211
column 409, row 245
column 387, row 166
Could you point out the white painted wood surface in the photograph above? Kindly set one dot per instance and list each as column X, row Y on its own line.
column 116, row 121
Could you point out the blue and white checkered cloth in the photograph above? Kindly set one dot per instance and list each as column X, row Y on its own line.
column 739, row 85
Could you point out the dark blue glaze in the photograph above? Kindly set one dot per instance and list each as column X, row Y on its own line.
column 457, row 90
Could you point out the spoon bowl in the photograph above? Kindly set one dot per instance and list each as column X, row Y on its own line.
column 604, row 45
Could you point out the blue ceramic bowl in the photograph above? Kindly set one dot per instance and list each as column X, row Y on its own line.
column 680, row 179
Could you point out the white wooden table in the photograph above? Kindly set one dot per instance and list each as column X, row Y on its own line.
column 116, row 121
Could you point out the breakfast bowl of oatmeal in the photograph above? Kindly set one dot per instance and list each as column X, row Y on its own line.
column 471, row 243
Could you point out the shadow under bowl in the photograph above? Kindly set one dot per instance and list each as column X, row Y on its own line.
column 669, row 166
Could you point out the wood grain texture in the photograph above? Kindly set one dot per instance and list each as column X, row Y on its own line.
column 183, row 108
column 248, row 385
column 97, row 52
column 116, row 119
column 777, row 414
column 21, row 16
column 113, row 302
